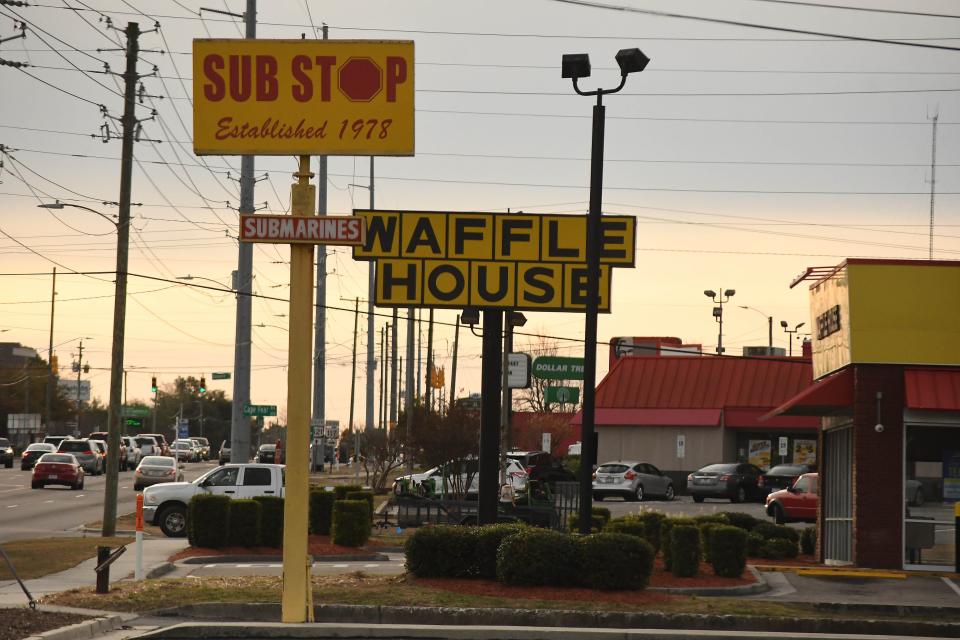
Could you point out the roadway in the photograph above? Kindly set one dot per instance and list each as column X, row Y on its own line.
column 59, row 511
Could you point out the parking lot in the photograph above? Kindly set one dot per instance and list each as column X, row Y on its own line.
column 682, row 506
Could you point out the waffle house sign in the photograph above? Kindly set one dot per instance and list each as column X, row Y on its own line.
column 490, row 260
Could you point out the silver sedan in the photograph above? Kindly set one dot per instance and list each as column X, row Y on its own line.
column 632, row 480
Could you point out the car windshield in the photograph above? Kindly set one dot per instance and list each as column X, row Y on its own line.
column 787, row 470
column 612, row 468
column 75, row 445
column 157, row 461
column 268, row 447
column 55, row 457
column 718, row 468
column 4, row 442
column 143, row 441
column 39, row 446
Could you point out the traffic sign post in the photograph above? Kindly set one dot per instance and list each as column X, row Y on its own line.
column 259, row 410
column 221, row 375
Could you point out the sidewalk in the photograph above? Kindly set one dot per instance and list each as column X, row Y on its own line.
column 155, row 554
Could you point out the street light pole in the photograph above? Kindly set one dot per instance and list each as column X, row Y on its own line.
column 790, row 332
column 718, row 311
column 769, row 327
column 576, row 66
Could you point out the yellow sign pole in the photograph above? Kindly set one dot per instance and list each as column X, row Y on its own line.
column 297, row 599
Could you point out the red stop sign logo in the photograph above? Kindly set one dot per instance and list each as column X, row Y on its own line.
column 360, row 79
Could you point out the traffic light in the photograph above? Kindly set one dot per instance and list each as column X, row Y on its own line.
column 153, row 384
column 203, row 384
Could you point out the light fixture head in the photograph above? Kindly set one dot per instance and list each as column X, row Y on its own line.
column 783, row 323
column 710, row 293
column 730, row 293
column 55, row 205
column 631, row 61
column 516, row 319
column 470, row 316
column 575, row 65
column 800, row 325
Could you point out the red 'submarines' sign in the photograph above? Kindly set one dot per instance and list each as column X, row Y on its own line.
column 301, row 229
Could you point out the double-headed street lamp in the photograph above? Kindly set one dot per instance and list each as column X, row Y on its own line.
column 718, row 312
column 576, row 66
column 790, row 332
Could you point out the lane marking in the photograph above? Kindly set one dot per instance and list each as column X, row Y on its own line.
column 209, row 566
column 275, row 566
column 12, row 506
column 340, row 566
column 47, row 501
column 244, row 566
column 951, row 584
column 370, row 566
column 80, row 496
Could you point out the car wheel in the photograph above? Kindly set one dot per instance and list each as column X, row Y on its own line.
column 36, row 485
column 82, row 480
column 698, row 499
column 173, row 521
column 638, row 493
column 598, row 497
column 221, row 463
column 918, row 498
column 740, row 496
column 669, row 495
column 778, row 515
column 75, row 486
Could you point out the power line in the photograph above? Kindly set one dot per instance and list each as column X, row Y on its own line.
column 863, row 9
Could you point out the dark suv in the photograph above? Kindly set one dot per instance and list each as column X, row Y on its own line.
column 541, row 466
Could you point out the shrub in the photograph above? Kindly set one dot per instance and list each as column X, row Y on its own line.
column 778, row 549
column 341, row 490
column 728, row 552
column 755, row 544
column 209, row 519
column 770, row 531
column 362, row 495
column 685, row 550
column 711, row 518
column 643, row 525
column 321, row 511
column 666, row 525
column 444, row 551
column 487, row 542
column 613, row 561
column 808, row 541
column 706, row 532
column 603, row 512
column 597, row 520
column 271, row 521
column 244, row 523
column 743, row 520
column 538, row 557
column 572, row 463
column 351, row 523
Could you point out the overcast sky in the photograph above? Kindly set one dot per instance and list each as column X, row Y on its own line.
column 746, row 154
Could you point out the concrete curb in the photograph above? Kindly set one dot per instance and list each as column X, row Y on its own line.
column 160, row 570
column 95, row 628
column 274, row 559
column 760, row 586
column 469, row 621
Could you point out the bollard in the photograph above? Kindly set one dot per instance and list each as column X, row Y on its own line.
column 103, row 575
column 138, row 567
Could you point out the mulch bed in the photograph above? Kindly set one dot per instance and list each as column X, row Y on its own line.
column 21, row 622
column 317, row 546
column 496, row 589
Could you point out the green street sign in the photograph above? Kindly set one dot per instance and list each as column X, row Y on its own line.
column 135, row 412
column 259, row 409
column 558, row 368
column 222, row 375
column 133, row 423
column 562, row 395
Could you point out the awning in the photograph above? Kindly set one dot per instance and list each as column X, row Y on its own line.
column 932, row 389
column 829, row 396
column 750, row 418
column 653, row 417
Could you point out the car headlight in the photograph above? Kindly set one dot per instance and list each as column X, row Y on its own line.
column 149, row 498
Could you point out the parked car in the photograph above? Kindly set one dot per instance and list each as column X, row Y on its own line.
column 134, row 453
column 267, row 453
column 204, row 445
column 166, row 505
column 734, row 481
column 57, row 468
column 183, row 450
column 161, row 441
column 103, row 436
column 33, row 452
column 86, row 452
column 223, row 456
column 6, row 453
column 148, row 446
column 457, row 477
column 541, row 466
column 631, row 480
column 156, row 469
column 783, row 476
column 797, row 503
column 56, row 440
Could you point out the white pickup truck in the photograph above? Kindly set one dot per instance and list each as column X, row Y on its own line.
column 165, row 505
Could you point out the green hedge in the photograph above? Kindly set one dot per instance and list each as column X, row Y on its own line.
column 711, row 518
column 244, row 526
column 208, row 517
column 808, row 541
column 743, row 520
column 614, row 561
column 351, row 523
column 666, row 525
column 538, row 557
column 362, row 495
column 770, row 531
column 779, row 549
column 321, row 511
column 728, row 551
column 596, row 522
column 487, row 541
column 341, row 490
column 643, row 525
column 443, row 551
column 685, row 550
column 755, row 543
column 271, row 521
column 706, row 533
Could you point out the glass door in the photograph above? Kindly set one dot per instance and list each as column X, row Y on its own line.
column 931, row 486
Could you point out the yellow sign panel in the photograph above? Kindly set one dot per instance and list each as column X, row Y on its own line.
column 886, row 312
column 303, row 97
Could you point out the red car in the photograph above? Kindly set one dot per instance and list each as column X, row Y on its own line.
column 57, row 468
column 797, row 503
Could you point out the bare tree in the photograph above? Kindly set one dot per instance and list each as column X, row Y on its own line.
column 381, row 454
column 535, row 397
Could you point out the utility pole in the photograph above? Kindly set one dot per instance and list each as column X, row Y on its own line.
column 430, row 364
column 380, row 414
column 76, row 432
column 51, row 379
column 419, row 393
column 371, row 292
column 453, row 364
column 353, row 370
column 129, row 122
column 320, row 317
column 240, row 424
column 394, row 371
column 408, row 396
column 933, row 180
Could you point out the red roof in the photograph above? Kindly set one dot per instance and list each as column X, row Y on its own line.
column 932, row 389
column 702, row 383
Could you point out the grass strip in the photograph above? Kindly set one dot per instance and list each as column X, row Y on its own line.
column 43, row 556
